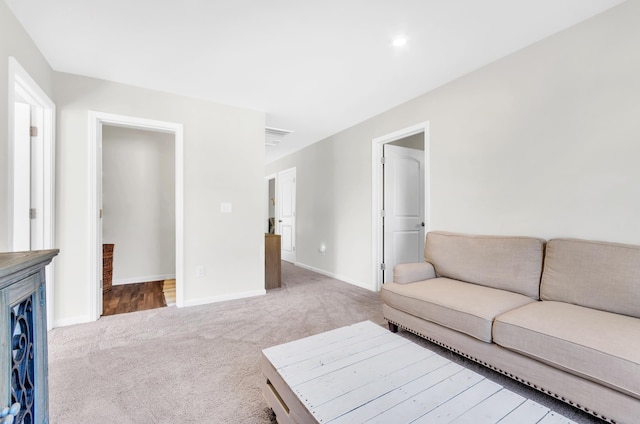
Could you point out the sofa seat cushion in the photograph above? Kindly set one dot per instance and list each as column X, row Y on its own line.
column 600, row 346
column 465, row 307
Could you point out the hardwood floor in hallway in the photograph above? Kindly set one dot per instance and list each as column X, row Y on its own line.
column 133, row 297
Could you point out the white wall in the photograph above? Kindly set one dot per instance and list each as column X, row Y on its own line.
column 138, row 200
column 224, row 157
column 15, row 42
column 223, row 162
column 544, row 142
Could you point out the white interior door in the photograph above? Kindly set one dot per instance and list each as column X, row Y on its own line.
column 29, row 178
column 37, row 179
column 286, row 216
column 22, row 178
column 404, row 193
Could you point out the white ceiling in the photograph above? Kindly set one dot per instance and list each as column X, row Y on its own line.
column 315, row 67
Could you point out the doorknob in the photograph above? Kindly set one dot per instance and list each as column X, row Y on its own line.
column 279, row 220
column 422, row 224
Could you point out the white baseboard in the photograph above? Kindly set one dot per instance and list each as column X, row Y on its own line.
column 337, row 277
column 65, row 322
column 135, row 280
column 223, row 298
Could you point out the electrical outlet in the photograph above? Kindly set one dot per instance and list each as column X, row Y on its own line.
column 200, row 271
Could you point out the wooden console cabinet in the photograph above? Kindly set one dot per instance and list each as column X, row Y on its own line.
column 272, row 264
column 23, row 334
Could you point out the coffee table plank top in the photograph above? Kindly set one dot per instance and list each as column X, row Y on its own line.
column 355, row 357
column 529, row 410
column 491, row 409
column 382, row 386
column 364, row 373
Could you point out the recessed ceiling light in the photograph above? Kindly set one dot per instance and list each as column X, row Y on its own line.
column 399, row 41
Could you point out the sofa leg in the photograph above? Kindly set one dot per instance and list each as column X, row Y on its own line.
column 393, row 328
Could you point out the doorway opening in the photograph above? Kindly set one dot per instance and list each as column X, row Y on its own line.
column 97, row 122
column 400, row 211
column 270, row 223
column 138, row 219
column 280, row 211
column 31, row 166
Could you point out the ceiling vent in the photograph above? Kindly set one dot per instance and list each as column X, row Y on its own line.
column 273, row 136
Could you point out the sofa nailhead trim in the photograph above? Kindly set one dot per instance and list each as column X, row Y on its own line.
column 540, row 389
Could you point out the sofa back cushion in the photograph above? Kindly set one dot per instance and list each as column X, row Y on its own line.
column 598, row 275
column 501, row 262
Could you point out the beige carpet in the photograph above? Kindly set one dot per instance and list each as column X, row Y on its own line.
column 202, row 364
column 192, row 365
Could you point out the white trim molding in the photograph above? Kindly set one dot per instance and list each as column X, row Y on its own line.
column 143, row 279
column 337, row 277
column 23, row 85
column 377, row 205
column 64, row 322
column 96, row 121
column 224, row 297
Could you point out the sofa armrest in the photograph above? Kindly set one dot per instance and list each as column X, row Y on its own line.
column 410, row 273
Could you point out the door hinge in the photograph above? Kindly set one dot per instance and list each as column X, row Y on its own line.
column 382, row 160
column 382, row 213
column 42, row 295
column 100, row 283
column 32, row 213
column 100, row 213
column 33, row 131
column 294, row 248
column 383, row 266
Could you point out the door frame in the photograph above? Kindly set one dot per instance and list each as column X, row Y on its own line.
column 96, row 122
column 377, row 174
column 21, row 84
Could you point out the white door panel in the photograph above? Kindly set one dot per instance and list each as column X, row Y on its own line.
column 37, row 179
column 28, row 183
column 286, row 238
column 407, row 247
column 406, row 187
column 286, row 215
column 22, row 178
column 403, row 206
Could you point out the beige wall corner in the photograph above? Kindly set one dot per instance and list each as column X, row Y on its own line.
column 543, row 142
column 223, row 162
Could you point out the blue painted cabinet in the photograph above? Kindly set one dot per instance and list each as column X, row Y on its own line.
column 23, row 334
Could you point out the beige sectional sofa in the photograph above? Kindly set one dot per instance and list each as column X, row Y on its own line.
column 562, row 316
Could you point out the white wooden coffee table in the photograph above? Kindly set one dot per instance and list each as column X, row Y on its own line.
column 365, row 373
